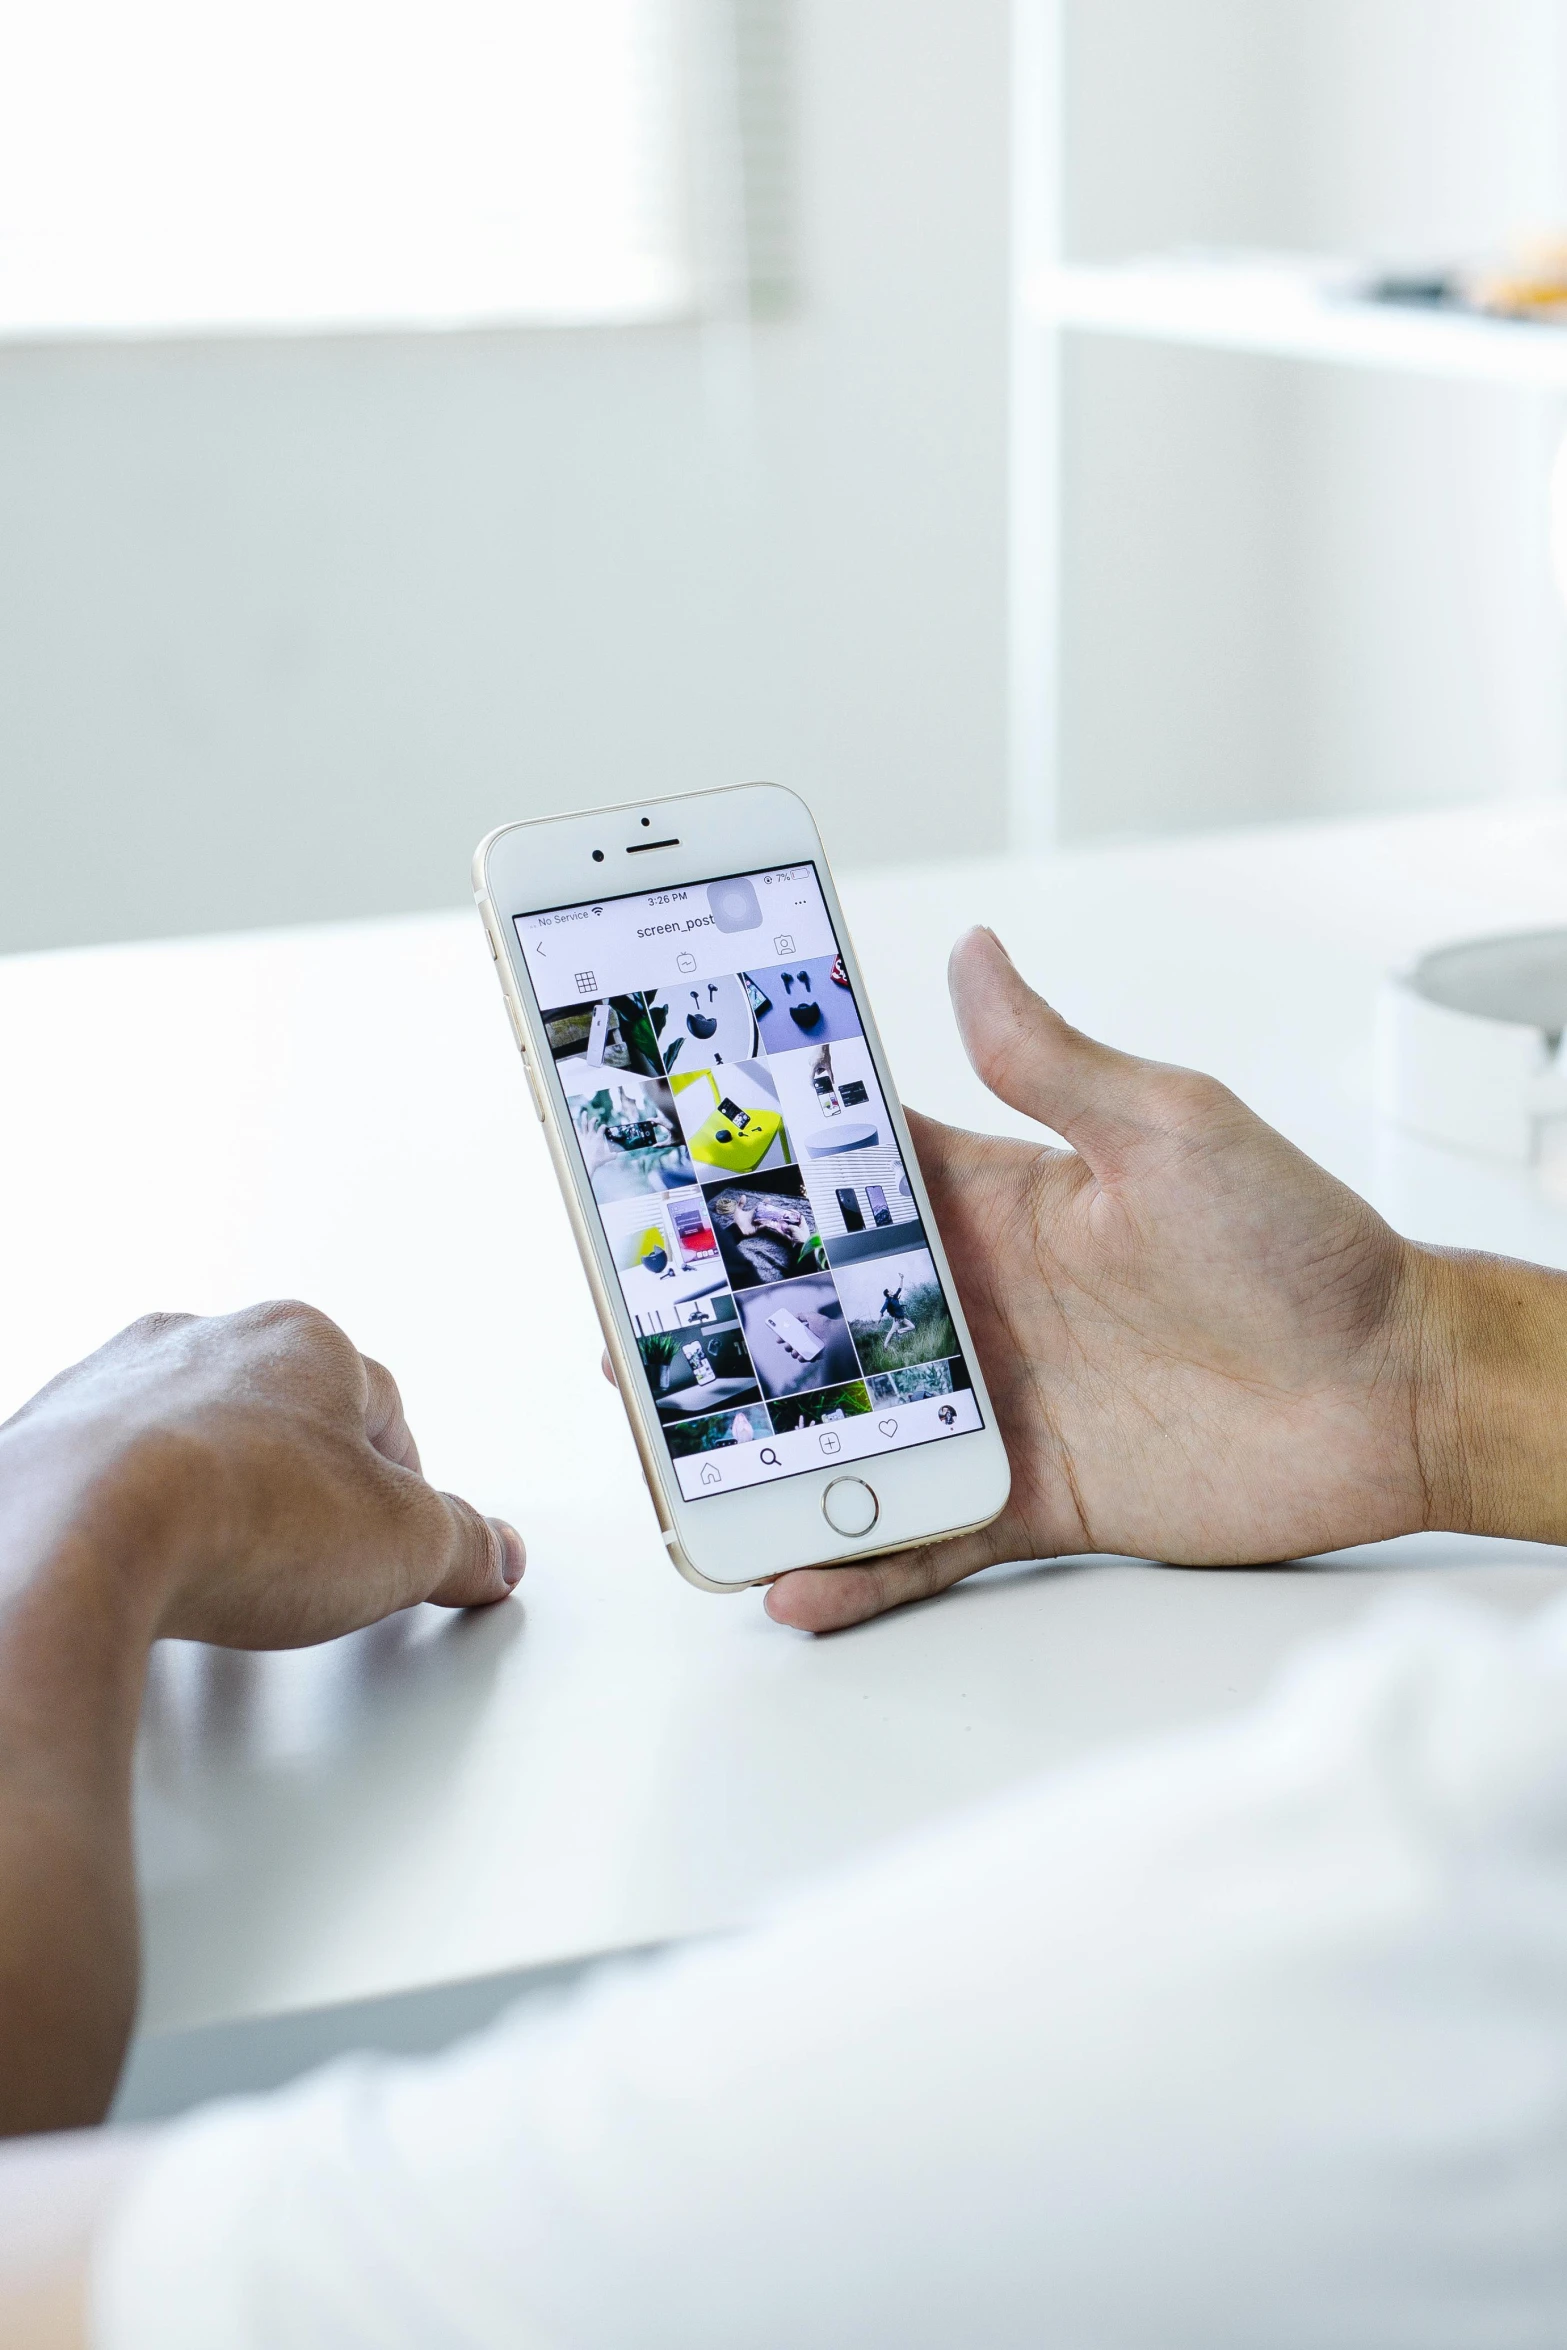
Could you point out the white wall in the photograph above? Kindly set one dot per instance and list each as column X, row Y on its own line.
column 1292, row 590
column 284, row 627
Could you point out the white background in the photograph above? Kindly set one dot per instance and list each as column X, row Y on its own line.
column 1306, row 590
column 285, row 627
column 168, row 163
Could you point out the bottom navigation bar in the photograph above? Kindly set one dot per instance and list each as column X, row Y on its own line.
column 858, row 1436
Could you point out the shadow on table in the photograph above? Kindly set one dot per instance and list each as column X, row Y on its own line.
column 268, row 1705
column 280, row 1787
column 169, row 2072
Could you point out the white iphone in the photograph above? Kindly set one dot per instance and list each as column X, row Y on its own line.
column 792, row 1334
column 620, row 921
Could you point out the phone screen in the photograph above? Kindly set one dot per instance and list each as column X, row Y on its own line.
column 698, row 1034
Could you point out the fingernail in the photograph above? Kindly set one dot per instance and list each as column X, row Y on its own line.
column 990, row 934
column 513, row 1556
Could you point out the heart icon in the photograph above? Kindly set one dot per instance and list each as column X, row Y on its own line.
column 888, row 1427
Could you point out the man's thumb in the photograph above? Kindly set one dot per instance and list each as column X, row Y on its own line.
column 1087, row 1092
column 485, row 1557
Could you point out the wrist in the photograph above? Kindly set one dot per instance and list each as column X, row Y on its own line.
column 88, row 1531
column 95, row 1518
column 1491, row 1394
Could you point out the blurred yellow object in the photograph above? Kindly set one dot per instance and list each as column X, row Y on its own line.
column 1529, row 282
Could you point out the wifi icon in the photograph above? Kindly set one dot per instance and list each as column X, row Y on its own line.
column 598, row 909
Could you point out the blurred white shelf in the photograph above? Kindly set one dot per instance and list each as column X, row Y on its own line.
column 1293, row 309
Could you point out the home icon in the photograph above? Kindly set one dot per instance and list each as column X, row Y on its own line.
column 710, row 1475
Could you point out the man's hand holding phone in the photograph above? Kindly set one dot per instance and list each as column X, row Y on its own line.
column 1202, row 1347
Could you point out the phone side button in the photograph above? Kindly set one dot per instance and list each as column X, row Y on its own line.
column 850, row 1506
column 527, row 1066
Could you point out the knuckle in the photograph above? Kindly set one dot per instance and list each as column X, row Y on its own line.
column 274, row 1310
column 930, row 1573
column 1189, row 1097
column 478, row 1545
column 923, row 1574
column 895, row 1582
column 157, row 1325
column 291, row 1317
column 382, row 1383
column 914, row 1575
column 995, row 1057
column 991, row 1069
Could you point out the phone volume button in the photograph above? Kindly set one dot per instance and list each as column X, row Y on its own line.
column 520, row 1034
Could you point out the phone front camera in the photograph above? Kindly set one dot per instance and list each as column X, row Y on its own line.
column 598, row 856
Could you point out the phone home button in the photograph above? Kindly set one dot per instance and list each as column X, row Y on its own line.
column 850, row 1506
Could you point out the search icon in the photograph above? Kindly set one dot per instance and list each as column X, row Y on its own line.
column 769, row 1457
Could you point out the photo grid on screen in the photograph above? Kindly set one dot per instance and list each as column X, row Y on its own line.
column 763, row 1226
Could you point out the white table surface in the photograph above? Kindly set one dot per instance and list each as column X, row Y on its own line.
column 614, row 1758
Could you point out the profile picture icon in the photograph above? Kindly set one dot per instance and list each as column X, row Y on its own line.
column 733, row 905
